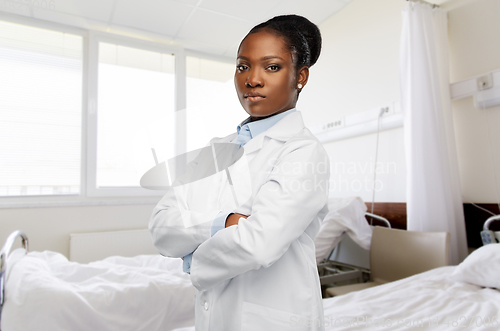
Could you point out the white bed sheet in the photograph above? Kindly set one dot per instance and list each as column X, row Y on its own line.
column 425, row 301
column 44, row 291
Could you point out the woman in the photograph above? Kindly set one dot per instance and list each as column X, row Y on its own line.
column 254, row 266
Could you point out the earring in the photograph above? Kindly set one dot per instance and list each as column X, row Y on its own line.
column 299, row 86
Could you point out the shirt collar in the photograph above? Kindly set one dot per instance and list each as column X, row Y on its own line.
column 257, row 127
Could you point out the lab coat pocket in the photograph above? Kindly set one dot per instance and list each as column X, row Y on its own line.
column 257, row 317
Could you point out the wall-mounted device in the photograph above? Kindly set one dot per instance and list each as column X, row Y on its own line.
column 484, row 88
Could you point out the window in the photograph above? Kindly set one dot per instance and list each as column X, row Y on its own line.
column 135, row 113
column 213, row 109
column 40, row 111
column 138, row 97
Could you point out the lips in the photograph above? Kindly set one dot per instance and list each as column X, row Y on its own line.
column 254, row 96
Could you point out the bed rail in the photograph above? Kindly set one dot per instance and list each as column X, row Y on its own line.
column 488, row 236
column 489, row 221
column 4, row 254
column 380, row 218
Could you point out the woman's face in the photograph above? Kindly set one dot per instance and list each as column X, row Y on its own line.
column 265, row 78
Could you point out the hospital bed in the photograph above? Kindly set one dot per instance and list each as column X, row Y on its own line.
column 45, row 291
column 446, row 298
column 146, row 292
column 466, row 296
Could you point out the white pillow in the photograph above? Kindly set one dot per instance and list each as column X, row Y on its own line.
column 481, row 267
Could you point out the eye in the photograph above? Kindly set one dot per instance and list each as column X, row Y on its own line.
column 274, row 67
column 241, row 67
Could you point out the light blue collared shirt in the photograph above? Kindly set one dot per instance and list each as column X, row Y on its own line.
column 255, row 128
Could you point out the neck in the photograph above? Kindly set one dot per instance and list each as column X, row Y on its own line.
column 254, row 119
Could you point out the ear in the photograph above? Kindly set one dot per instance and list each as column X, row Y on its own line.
column 302, row 76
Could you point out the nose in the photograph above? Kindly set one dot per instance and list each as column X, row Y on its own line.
column 254, row 79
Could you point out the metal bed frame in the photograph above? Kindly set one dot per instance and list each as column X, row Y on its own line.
column 4, row 255
column 489, row 221
column 488, row 236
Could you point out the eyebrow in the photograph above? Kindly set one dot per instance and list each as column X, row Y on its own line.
column 269, row 57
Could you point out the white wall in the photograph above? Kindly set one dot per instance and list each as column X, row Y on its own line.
column 49, row 228
column 474, row 35
column 359, row 70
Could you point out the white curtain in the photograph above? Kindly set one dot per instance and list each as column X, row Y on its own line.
column 434, row 201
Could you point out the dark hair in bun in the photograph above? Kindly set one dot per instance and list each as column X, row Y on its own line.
column 301, row 36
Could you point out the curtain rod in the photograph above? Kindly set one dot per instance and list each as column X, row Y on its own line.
column 425, row 2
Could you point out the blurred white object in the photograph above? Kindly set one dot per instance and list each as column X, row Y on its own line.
column 345, row 215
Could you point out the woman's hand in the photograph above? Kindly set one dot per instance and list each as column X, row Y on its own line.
column 233, row 219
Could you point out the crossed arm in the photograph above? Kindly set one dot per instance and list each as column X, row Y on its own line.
column 233, row 219
column 281, row 211
column 282, row 208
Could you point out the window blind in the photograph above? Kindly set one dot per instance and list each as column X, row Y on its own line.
column 40, row 111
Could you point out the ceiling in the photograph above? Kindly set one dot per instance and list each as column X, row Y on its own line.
column 209, row 26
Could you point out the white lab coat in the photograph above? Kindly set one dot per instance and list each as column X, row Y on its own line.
column 260, row 274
